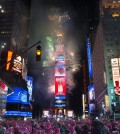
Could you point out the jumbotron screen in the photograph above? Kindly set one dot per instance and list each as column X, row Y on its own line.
column 60, row 86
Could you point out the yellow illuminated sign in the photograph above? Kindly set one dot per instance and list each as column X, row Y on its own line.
column 9, row 59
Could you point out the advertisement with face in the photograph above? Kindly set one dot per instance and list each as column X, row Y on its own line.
column 60, row 86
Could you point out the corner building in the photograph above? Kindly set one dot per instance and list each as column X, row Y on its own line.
column 106, row 47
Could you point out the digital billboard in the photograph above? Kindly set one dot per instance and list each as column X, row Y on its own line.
column 19, row 95
column 115, row 63
column 14, row 62
column 45, row 113
column 60, row 71
column 60, row 86
column 91, row 93
column 59, row 49
column 70, row 113
column 89, row 60
column 3, row 97
column 91, row 108
column 29, row 81
column 18, row 113
column 60, row 64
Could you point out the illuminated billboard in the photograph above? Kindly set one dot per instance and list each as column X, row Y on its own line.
column 91, row 108
column 60, row 64
column 29, row 81
column 91, row 93
column 59, row 49
column 107, row 103
column 45, row 113
column 115, row 63
column 19, row 95
column 60, row 71
column 14, row 62
column 18, row 113
column 70, row 113
column 60, row 58
column 89, row 60
column 3, row 97
column 60, row 86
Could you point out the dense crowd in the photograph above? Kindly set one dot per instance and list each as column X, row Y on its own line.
column 61, row 126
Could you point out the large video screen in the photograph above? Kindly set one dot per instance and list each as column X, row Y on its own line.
column 60, row 86
column 19, row 95
column 29, row 81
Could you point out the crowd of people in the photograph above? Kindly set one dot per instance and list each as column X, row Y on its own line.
column 61, row 126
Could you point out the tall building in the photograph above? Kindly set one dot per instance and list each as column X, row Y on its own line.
column 106, row 47
column 14, row 23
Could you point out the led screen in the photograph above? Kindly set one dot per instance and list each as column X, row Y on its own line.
column 70, row 113
column 3, row 97
column 91, row 93
column 14, row 62
column 29, row 86
column 89, row 60
column 45, row 113
column 91, row 108
column 60, row 86
column 18, row 113
column 19, row 95
column 61, row 71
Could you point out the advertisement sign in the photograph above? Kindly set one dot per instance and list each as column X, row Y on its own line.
column 3, row 97
column 60, row 64
column 60, row 86
column 59, row 48
column 18, row 113
column 60, row 71
column 60, row 58
column 107, row 103
column 9, row 58
column 91, row 108
column 114, row 62
column 45, row 113
column 70, row 113
column 29, row 81
column 89, row 60
column 91, row 93
column 19, row 95
column 17, row 64
column 116, row 74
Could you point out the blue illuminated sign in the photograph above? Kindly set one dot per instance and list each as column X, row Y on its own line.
column 89, row 60
column 19, row 95
column 60, row 97
column 18, row 113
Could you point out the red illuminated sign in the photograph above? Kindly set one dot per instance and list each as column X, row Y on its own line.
column 60, row 86
column 117, row 88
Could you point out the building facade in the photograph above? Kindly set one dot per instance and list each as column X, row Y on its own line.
column 106, row 47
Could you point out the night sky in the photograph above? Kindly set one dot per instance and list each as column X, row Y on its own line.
column 78, row 38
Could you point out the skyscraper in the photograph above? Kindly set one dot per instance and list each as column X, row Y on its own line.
column 106, row 47
column 14, row 23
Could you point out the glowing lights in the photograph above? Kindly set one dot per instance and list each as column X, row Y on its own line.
column 59, row 35
column 115, row 15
